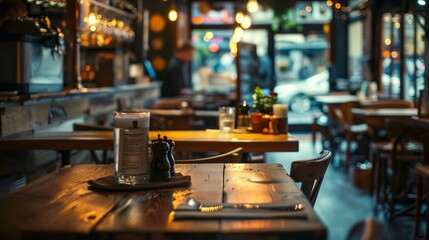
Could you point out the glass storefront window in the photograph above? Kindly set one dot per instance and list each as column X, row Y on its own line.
column 356, row 59
column 413, row 70
column 213, row 67
column 300, row 68
column 299, row 59
column 205, row 12
column 312, row 12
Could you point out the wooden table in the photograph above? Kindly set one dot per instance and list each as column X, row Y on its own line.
column 186, row 141
column 375, row 117
column 191, row 141
column 62, row 205
column 333, row 102
column 335, row 99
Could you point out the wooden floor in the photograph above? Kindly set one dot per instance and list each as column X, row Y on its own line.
column 340, row 204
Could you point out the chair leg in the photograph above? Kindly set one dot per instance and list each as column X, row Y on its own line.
column 347, row 155
column 313, row 132
column 418, row 206
column 376, row 181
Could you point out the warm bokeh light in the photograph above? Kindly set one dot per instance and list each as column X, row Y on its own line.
column 308, row 8
column 397, row 25
column 337, row 5
column 252, row 6
column 386, row 54
column 386, row 18
column 239, row 32
column 247, row 22
column 239, row 17
column 208, row 36
column 329, row 3
column 236, row 38
column 92, row 20
column 213, row 47
column 387, row 41
column 395, row 54
column 326, row 28
column 172, row 15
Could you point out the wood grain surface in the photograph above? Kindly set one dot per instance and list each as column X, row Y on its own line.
column 190, row 141
column 62, row 204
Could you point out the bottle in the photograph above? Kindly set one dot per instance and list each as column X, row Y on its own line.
column 423, row 107
column 243, row 119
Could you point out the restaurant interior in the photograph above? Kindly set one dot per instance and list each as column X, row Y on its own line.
column 109, row 130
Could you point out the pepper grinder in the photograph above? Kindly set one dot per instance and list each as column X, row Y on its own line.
column 160, row 166
column 170, row 156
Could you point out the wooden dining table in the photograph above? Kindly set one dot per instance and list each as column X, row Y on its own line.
column 331, row 100
column 186, row 141
column 375, row 117
column 64, row 205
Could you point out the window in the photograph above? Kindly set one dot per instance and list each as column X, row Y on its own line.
column 413, row 78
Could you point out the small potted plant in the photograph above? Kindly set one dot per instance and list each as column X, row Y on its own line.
column 264, row 104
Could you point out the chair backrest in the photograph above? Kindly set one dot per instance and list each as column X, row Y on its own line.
column 233, row 156
column 310, row 174
column 339, row 121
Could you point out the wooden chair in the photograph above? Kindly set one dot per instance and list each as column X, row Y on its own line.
column 172, row 114
column 393, row 163
column 171, row 119
column 422, row 183
column 310, row 174
column 345, row 130
column 233, row 156
column 170, row 103
column 353, row 130
column 407, row 151
column 321, row 125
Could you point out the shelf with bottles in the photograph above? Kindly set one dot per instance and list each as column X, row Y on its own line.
column 103, row 24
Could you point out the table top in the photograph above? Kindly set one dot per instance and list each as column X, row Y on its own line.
column 336, row 99
column 375, row 117
column 385, row 112
column 63, row 204
column 178, row 112
column 187, row 141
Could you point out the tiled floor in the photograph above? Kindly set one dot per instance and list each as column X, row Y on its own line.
column 340, row 204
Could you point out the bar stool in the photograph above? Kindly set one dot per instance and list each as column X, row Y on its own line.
column 422, row 180
column 393, row 163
